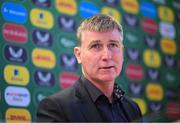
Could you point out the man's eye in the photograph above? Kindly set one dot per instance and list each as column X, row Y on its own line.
column 96, row 46
column 113, row 45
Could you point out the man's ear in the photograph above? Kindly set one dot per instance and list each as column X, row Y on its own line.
column 77, row 53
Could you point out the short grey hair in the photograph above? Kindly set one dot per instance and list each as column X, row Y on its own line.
column 99, row 23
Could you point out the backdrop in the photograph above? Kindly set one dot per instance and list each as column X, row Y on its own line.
column 36, row 51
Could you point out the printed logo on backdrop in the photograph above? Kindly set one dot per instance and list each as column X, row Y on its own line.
column 67, row 79
column 42, row 3
column 66, row 23
column 67, row 42
column 135, row 88
column 68, row 62
column 167, row 30
column 68, row 7
column 162, row 2
column 43, row 58
column 133, row 54
column 149, row 25
column 131, row 20
column 166, row 14
column 131, row 37
column 154, row 92
column 14, row 12
column 18, row 115
column 152, row 58
column 168, row 46
column 142, row 105
column 151, row 41
column 112, row 12
column 112, row 3
column 17, row 96
column 170, row 77
column 42, row 38
column 16, row 75
column 41, row 18
column 15, row 33
column 87, row 9
column 130, row 6
column 44, row 78
column 169, row 61
column 155, row 106
column 172, row 110
column 172, row 93
column 40, row 94
column 177, row 17
column 15, row 54
column 134, row 72
column 148, row 10
column 153, row 74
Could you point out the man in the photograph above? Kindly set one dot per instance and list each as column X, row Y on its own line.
column 95, row 97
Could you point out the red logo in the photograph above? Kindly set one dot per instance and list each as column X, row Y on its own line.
column 149, row 25
column 134, row 72
column 173, row 110
column 67, row 79
column 15, row 33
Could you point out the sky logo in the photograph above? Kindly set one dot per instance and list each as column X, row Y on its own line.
column 14, row 12
column 88, row 9
column 148, row 10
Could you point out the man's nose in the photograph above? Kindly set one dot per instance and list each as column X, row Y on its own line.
column 106, row 53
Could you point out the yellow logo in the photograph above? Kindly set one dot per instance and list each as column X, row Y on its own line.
column 41, row 18
column 112, row 12
column 168, row 46
column 130, row 6
column 43, row 58
column 166, row 14
column 15, row 115
column 154, row 92
column 142, row 105
column 68, row 7
column 152, row 58
column 16, row 75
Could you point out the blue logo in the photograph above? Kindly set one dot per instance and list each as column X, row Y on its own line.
column 42, row 38
column 68, row 62
column 42, row 3
column 15, row 54
column 14, row 12
column 88, row 9
column 148, row 10
column 44, row 78
column 66, row 23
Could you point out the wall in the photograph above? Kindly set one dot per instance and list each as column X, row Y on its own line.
column 37, row 40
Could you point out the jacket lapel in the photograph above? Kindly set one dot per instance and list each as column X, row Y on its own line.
column 85, row 104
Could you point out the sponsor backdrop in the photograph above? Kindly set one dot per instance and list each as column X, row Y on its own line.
column 37, row 40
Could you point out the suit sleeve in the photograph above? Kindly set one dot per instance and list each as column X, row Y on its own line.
column 50, row 111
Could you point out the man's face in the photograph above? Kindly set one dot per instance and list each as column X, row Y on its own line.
column 101, row 55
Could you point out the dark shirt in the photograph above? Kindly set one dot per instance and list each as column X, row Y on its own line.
column 110, row 112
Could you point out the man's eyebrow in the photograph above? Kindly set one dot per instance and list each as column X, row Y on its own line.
column 93, row 42
column 116, row 41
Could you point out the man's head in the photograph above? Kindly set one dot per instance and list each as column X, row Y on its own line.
column 100, row 49
column 98, row 23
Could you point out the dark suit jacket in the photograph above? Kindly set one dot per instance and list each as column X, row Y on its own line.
column 75, row 105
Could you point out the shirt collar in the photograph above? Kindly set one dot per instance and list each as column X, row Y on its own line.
column 95, row 93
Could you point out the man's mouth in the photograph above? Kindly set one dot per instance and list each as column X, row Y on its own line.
column 109, row 67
